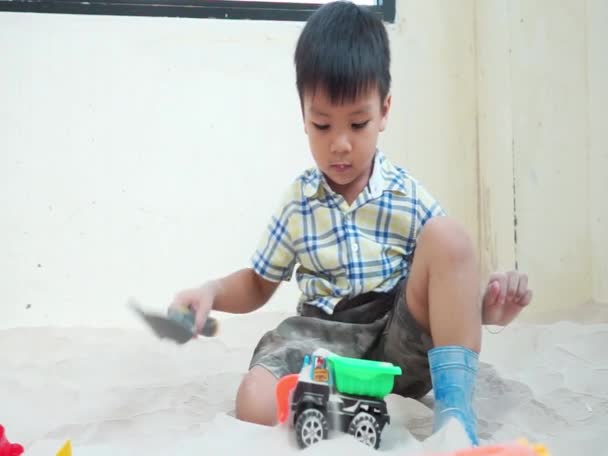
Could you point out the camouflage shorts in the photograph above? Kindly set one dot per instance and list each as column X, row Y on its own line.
column 375, row 326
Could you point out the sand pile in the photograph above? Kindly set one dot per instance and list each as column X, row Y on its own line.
column 121, row 391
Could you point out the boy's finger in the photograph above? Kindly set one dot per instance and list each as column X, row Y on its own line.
column 495, row 276
column 199, row 321
column 523, row 286
column 181, row 300
column 512, row 285
column 493, row 293
column 526, row 299
column 502, row 282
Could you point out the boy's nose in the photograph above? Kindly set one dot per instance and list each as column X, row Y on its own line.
column 341, row 145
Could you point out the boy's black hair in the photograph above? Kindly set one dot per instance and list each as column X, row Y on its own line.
column 343, row 49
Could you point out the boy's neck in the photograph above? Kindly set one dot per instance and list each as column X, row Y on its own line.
column 348, row 192
column 351, row 191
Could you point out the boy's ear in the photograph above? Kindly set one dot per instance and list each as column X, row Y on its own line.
column 384, row 110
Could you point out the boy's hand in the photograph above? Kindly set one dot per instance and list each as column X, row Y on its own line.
column 240, row 292
column 198, row 300
column 504, row 297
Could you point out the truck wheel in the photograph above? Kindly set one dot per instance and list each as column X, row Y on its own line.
column 311, row 427
column 366, row 429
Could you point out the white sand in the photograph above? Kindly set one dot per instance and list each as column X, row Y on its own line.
column 123, row 391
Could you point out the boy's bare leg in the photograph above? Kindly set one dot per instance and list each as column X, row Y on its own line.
column 443, row 287
column 443, row 296
column 255, row 400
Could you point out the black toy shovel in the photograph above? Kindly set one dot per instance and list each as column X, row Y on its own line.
column 177, row 326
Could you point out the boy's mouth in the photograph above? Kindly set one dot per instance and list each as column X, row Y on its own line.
column 340, row 167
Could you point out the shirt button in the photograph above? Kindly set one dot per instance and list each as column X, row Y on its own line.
column 355, row 247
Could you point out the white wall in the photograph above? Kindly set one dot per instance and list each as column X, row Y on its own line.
column 550, row 141
column 495, row 138
column 434, row 124
column 597, row 58
column 542, row 72
column 135, row 152
column 135, row 157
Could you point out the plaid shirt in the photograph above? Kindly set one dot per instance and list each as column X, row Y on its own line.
column 345, row 251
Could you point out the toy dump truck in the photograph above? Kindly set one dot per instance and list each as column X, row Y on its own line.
column 334, row 392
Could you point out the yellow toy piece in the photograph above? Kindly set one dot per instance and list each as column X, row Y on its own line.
column 539, row 449
column 66, row 450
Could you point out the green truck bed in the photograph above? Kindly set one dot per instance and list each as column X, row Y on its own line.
column 363, row 377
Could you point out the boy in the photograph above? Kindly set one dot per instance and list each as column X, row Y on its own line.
column 384, row 274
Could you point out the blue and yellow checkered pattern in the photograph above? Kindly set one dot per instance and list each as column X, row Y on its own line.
column 343, row 251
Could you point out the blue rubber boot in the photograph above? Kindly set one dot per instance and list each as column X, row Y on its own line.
column 453, row 373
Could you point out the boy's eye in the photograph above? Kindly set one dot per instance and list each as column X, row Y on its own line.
column 359, row 126
column 321, row 127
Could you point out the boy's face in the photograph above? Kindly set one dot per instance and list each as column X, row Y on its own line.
column 343, row 138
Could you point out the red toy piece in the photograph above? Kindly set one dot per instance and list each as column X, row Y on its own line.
column 7, row 448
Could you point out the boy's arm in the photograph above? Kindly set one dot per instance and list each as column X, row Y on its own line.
column 241, row 292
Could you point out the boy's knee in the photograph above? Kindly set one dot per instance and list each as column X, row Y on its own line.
column 448, row 238
column 255, row 401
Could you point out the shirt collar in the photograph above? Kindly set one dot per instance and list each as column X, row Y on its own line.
column 385, row 177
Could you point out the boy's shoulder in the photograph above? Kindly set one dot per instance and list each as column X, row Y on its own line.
column 392, row 176
column 298, row 190
column 301, row 186
column 396, row 179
